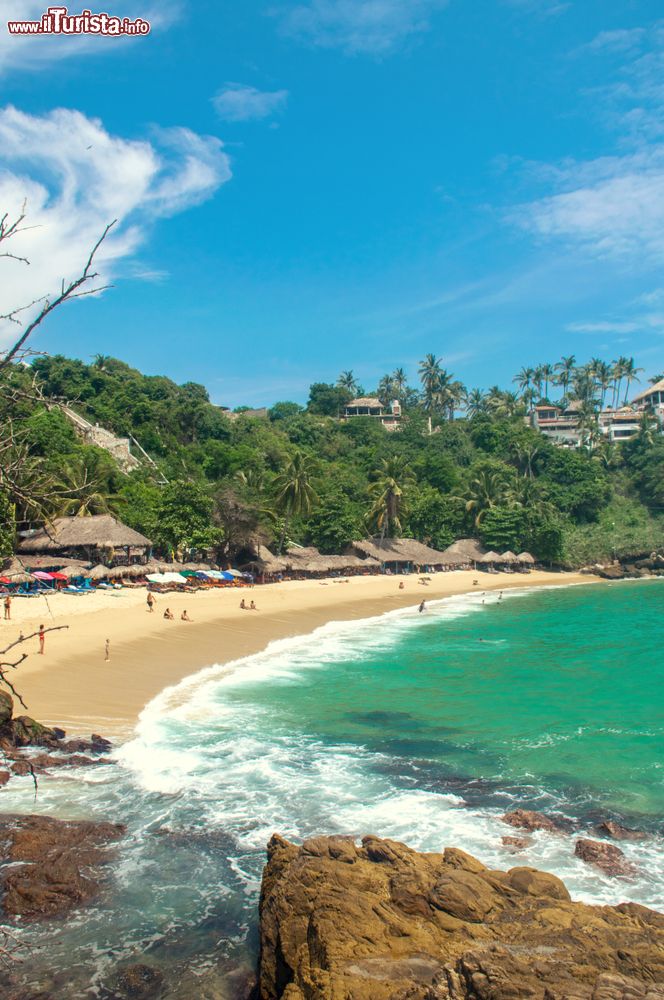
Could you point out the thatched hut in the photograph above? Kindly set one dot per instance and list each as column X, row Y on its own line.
column 400, row 553
column 464, row 552
column 490, row 559
column 73, row 570
column 100, row 572
column 526, row 559
column 97, row 536
column 509, row 558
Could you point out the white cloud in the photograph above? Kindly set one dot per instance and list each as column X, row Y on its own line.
column 603, row 326
column 620, row 40
column 75, row 178
column 30, row 52
column 239, row 103
column 360, row 26
column 610, row 207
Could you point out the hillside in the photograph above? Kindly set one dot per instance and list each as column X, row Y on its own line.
column 302, row 474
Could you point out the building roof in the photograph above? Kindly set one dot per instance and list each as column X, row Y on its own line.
column 657, row 387
column 369, row 401
column 99, row 531
column 491, row 557
column 399, row 550
column 464, row 550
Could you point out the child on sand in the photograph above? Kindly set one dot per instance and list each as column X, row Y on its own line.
column 252, row 607
column 8, row 607
column 243, row 605
column 168, row 614
column 42, row 637
column 185, row 617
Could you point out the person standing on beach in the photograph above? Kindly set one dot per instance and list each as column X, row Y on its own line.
column 107, row 651
column 151, row 601
column 8, row 607
column 422, row 607
column 42, row 638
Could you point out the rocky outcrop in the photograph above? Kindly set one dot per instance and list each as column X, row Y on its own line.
column 49, row 866
column 20, row 734
column 526, row 819
column 382, row 922
column 607, row 857
column 609, row 828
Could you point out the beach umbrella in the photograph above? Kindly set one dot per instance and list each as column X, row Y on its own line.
column 526, row 559
column 41, row 575
column 59, row 576
column 491, row 557
column 5, row 580
column 188, row 573
column 508, row 557
column 225, row 575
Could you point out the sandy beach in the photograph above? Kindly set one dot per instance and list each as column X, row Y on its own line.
column 73, row 686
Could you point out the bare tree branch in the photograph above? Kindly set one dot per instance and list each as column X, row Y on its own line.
column 66, row 292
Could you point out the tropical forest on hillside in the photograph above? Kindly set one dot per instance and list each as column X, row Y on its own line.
column 462, row 463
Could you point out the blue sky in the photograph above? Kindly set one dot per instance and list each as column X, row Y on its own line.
column 325, row 184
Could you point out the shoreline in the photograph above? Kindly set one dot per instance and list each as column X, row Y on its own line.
column 73, row 687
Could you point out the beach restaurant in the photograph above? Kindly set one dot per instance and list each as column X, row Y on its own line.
column 99, row 538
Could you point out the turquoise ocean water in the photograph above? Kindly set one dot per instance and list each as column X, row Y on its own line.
column 425, row 728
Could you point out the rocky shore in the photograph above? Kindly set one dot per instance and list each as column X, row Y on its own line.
column 628, row 569
column 383, row 922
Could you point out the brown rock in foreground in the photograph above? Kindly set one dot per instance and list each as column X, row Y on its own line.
column 59, row 863
column 526, row 819
column 382, row 922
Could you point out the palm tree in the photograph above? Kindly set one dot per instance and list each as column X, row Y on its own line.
column 294, row 493
column 475, row 402
column 453, row 395
column 565, row 370
column 525, row 455
column 524, row 378
column 400, row 382
column 347, row 381
column 386, row 391
column 80, row 493
column 487, row 490
column 433, row 376
column 252, row 479
column 619, row 371
column 392, row 478
column 101, row 360
column 538, row 378
column 603, row 374
column 631, row 374
column 647, row 430
column 547, row 372
column 656, row 378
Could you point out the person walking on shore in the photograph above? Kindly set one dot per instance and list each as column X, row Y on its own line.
column 42, row 638
column 151, row 601
column 107, row 651
column 8, row 607
column 423, row 607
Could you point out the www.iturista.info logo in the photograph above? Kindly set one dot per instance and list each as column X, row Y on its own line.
column 58, row 21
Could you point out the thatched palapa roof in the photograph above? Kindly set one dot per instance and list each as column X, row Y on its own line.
column 526, row 558
column 491, row 557
column 399, row 550
column 508, row 557
column 465, row 550
column 98, row 531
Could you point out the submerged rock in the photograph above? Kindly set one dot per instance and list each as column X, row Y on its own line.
column 59, row 865
column 138, row 982
column 617, row 832
column 382, row 922
column 526, row 819
column 609, row 858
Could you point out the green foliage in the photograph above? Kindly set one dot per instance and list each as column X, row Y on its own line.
column 306, row 475
column 433, row 518
column 184, row 518
column 7, row 526
column 624, row 529
column 335, row 522
column 328, row 400
column 504, row 528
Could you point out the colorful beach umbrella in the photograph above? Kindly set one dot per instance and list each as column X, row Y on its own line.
column 41, row 575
